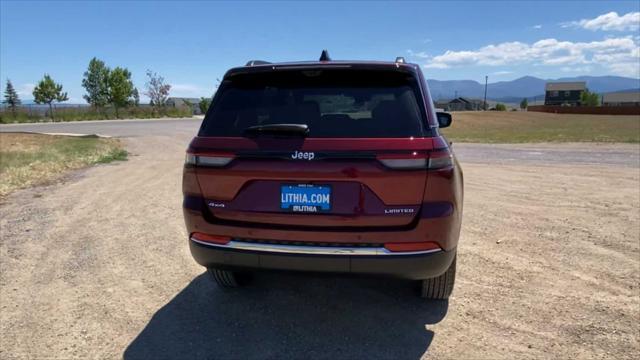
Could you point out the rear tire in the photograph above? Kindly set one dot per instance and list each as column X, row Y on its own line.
column 441, row 287
column 227, row 278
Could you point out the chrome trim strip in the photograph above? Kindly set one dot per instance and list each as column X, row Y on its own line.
column 311, row 250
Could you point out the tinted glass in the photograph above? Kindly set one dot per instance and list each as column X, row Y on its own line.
column 332, row 103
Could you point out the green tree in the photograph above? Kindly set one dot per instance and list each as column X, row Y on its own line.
column 120, row 88
column 47, row 91
column 524, row 104
column 11, row 98
column 204, row 104
column 96, row 82
column 135, row 97
column 501, row 107
column 588, row 98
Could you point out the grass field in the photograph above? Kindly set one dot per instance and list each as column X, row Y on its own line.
column 31, row 159
column 23, row 115
column 530, row 127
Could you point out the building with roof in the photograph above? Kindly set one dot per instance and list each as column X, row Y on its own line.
column 564, row 93
column 460, row 104
column 631, row 98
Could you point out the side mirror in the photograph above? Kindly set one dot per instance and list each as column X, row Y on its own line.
column 444, row 119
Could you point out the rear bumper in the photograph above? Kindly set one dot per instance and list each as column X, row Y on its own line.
column 416, row 266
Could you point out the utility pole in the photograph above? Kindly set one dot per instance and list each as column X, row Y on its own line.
column 486, row 80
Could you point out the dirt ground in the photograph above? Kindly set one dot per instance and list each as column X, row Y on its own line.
column 98, row 267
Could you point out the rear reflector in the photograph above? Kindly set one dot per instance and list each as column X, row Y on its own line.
column 440, row 160
column 208, row 160
column 215, row 239
column 413, row 246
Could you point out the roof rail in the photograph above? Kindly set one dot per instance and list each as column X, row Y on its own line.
column 256, row 62
column 325, row 56
column 400, row 59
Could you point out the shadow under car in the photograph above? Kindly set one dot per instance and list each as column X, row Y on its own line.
column 291, row 315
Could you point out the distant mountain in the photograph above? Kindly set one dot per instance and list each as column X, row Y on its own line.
column 527, row 86
column 625, row 90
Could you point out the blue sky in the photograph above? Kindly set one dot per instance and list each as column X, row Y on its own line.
column 193, row 43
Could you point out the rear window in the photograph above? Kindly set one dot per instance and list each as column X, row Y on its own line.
column 332, row 103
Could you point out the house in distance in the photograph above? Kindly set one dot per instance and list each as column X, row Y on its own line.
column 564, row 93
column 460, row 104
column 630, row 98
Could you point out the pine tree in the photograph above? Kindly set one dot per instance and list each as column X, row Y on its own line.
column 47, row 91
column 11, row 98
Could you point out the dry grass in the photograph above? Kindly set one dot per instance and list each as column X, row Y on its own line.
column 523, row 127
column 31, row 159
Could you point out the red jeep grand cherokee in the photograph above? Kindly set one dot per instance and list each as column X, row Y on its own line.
column 324, row 166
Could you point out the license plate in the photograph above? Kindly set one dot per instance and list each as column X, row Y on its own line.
column 305, row 198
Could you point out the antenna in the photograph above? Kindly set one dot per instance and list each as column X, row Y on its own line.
column 325, row 56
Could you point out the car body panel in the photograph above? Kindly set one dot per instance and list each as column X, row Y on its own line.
column 372, row 204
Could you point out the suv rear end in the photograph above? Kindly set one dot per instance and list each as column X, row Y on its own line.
column 324, row 166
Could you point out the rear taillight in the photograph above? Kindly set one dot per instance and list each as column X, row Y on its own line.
column 415, row 160
column 214, row 239
column 412, row 246
column 440, row 160
column 213, row 160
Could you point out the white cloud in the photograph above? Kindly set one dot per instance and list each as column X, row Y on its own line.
column 503, row 72
column 620, row 55
column 419, row 54
column 608, row 22
column 25, row 90
column 577, row 69
column 189, row 90
column 537, row 26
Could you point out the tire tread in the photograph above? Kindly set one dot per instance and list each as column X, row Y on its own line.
column 441, row 287
column 224, row 278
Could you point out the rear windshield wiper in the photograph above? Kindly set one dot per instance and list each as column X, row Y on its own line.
column 278, row 129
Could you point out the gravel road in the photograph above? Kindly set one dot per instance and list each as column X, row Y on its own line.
column 97, row 266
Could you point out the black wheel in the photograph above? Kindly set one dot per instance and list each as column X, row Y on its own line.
column 440, row 288
column 227, row 278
